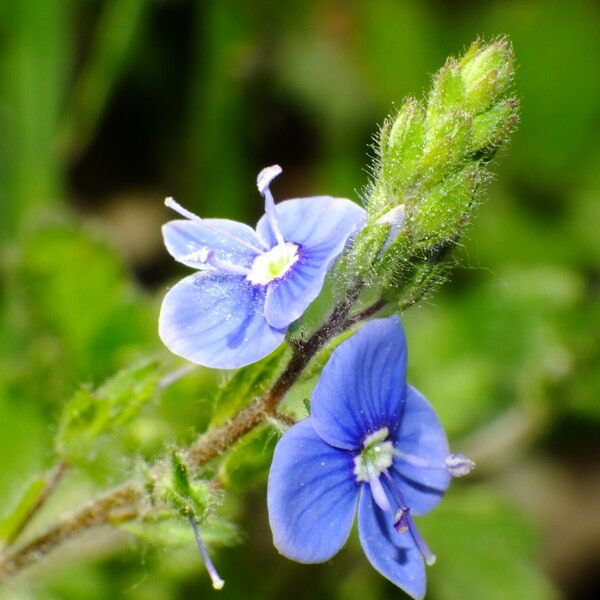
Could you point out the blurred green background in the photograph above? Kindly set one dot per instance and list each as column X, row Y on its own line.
column 108, row 106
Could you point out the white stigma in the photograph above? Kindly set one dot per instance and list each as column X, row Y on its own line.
column 273, row 264
column 377, row 456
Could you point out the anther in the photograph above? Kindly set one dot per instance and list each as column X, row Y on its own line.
column 401, row 519
column 459, row 465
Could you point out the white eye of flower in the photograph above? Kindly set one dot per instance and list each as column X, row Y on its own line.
column 377, row 456
column 273, row 264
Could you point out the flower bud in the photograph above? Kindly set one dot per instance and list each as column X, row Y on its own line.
column 487, row 73
column 400, row 150
column 446, row 146
column 492, row 127
column 444, row 210
column 447, row 95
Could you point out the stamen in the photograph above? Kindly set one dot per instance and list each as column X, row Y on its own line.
column 217, row 582
column 263, row 181
column 459, row 465
column 417, row 461
column 206, row 256
column 429, row 557
column 403, row 518
column 174, row 205
column 227, row 267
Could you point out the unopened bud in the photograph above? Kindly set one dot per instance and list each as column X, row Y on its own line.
column 444, row 210
column 448, row 94
column 492, row 127
column 487, row 73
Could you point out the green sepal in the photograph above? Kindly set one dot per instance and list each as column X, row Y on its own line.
column 446, row 146
column 364, row 253
column 188, row 498
column 447, row 95
column 491, row 128
column 400, row 150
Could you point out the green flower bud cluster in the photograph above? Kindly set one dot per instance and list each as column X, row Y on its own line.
column 430, row 168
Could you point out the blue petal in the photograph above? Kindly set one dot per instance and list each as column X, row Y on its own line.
column 319, row 222
column 288, row 298
column 362, row 386
column 311, row 496
column 230, row 240
column 216, row 320
column 393, row 554
column 422, row 435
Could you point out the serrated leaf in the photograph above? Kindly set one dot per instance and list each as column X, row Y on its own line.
column 246, row 384
column 90, row 414
column 12, row 522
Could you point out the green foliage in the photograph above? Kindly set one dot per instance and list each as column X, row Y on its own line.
column 119, row 28
column 484, row 550
column 247, row 464
column 170, row 532
column 300, row 83
column 246, row 384
column 34, row 69
column 12, row 522
column 90, row 414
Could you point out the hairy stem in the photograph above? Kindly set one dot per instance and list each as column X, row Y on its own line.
column 126, row 501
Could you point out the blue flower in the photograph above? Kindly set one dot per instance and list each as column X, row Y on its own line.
column 373, row 441
column 252, row 284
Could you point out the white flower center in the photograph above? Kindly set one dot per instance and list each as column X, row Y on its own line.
column 377, row 455
column 273, row 264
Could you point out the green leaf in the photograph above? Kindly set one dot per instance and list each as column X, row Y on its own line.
column 172, row 532
column 81, row 300
column 89, row 414
column 485, row 549
column 12, row 522
column 247, row 463
column 246, row 384
column 120, row 26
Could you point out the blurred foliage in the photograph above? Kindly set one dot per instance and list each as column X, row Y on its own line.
column 107, row 102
